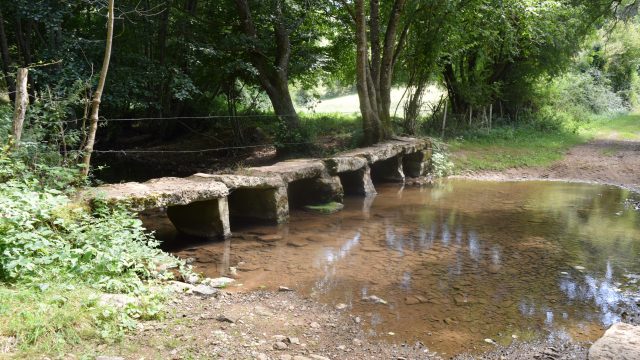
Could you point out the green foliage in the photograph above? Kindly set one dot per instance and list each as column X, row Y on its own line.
column 289, row 140
column 56, row 256
column 43, row 235
column 441, row 164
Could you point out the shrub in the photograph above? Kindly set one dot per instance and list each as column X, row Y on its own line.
column 440, row 164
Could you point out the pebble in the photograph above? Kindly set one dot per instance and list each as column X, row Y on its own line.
column 262, row 311
column 191, row 278
column 233, row 271
column 284, row 289
column 342, row 347
column 262, row 356
column 489, row 341
column 224, row 318
column 269, row 238
column 218, row 282
column 294, row 340
column 314, row 325
column 341, row 306
column 286, row 357
column 318, row 357
column 180, row 287
column 279, row 338
column 204, row 290
column 280, row 346
column 357, row 342
column 374, row 299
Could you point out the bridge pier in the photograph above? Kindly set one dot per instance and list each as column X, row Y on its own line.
column 314, row 191
column 358, row 182
column 416, row 164
column 208, row 218
column 254, row 198
column 388, row 170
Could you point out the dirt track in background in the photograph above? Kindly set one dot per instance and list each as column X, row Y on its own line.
column 605, row 161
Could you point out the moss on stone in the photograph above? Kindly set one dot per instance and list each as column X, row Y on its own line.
column 328, row 208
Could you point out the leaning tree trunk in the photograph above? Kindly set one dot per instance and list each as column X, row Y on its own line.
column 274, row 78
column 370, row 120
column 97, row 96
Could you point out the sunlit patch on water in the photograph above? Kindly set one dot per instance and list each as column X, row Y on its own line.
column 457, row 263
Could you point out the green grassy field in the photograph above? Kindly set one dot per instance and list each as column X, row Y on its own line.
column 505, row 148
column 623, row 127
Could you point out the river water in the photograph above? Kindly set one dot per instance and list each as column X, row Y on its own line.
column 457, row 262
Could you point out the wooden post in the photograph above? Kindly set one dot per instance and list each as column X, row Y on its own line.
column 22, row 100
column 490, row 115
column 97, row 95
column 444, row 118
column 470, row 114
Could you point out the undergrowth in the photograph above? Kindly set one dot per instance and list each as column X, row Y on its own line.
column 57, row 258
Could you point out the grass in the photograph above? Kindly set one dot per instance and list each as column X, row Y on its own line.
column 623, row 127
column 49, row 321
column 509, row 147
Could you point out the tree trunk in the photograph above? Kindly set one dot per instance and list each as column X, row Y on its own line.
column 22, row 99
column 391, row 47
column 370, row 121
column 274, row 78
column 6, row 59
column 97, row 96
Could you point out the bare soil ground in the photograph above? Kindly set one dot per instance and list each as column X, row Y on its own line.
column 605, row 161
column 284, row 325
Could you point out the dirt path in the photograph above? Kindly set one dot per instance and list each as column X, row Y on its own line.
column 605, row 161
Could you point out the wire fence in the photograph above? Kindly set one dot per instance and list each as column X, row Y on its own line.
column 204, row 117
column 134, row 151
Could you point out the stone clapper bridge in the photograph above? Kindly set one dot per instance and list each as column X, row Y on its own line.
column 202, row 204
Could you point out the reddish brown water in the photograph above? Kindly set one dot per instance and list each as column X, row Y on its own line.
column 457, row 263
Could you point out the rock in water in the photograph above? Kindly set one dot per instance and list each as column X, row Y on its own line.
column 329, row 208
column 374, row 299
column 620, row 342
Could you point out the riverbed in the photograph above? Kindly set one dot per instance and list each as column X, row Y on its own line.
column 455, row 266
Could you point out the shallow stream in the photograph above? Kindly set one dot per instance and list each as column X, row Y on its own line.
column 456, row 263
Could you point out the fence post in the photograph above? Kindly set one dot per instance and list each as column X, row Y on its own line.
column 490, row 115
column 444, row 118
column 22, row 100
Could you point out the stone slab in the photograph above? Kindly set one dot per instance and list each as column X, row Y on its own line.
column 162, row 192
column 383, row 151
column 233, row 181
column 341, row 164
column 620, row 342
column 290, row 170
